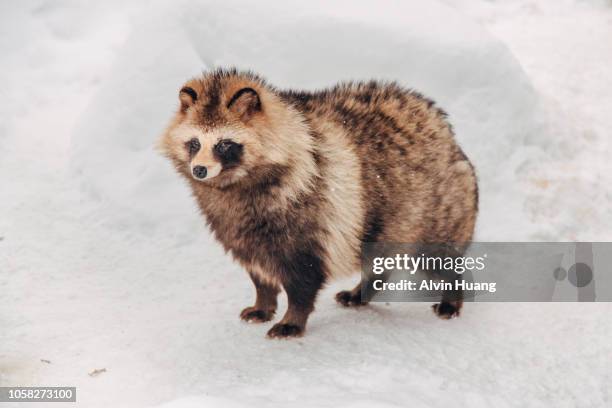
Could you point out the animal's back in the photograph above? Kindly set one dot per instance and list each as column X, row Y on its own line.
column 416, row 183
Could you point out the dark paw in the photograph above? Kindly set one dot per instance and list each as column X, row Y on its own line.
column 285, row 330
column 253, row 315
column 447, row 310
column 348, row 298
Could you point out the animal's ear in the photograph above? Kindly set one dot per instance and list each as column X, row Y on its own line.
column 187, row 96
column 245, row 103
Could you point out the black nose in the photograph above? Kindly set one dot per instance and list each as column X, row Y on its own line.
column 199, row 172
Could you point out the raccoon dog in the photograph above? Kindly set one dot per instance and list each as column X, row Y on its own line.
column 292, row 183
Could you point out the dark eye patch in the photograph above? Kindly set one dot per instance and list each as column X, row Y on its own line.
column 228, row 152
column 193, row 146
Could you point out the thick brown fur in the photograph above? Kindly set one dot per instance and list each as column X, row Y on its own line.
column 310, row 176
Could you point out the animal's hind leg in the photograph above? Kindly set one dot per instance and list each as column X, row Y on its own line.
column 351, row 297
column 450, row 305
column 452, row 300
column 361, row 294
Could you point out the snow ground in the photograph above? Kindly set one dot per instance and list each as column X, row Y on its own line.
column 90, row 280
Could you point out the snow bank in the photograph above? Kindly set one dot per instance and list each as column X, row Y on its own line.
column 426, row 46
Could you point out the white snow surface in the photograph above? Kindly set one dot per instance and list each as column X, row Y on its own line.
column 105, row 262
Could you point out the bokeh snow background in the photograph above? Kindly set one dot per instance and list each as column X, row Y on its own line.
column 105, row 263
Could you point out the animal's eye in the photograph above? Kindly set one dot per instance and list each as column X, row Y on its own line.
column 223, row 146
column 194, row 146
column 228, row 152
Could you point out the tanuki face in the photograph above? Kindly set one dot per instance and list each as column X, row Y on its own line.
column 215, row 136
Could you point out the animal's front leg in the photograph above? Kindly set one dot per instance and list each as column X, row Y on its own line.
column 265, row 303
column 302, row 282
